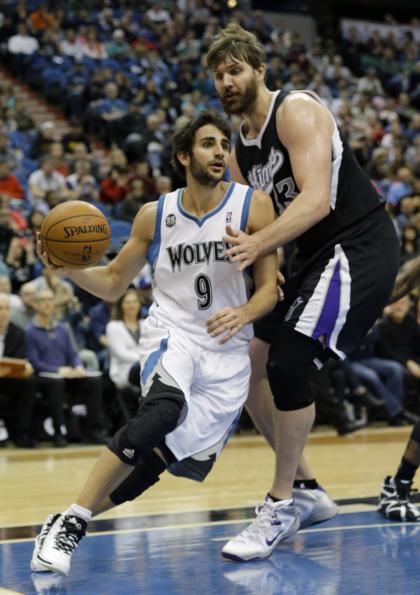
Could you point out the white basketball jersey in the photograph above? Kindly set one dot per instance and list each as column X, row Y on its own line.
column 193, row 279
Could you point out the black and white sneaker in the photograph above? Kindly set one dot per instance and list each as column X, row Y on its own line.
column 394, row 501
column 36, row 565
column 60, row 543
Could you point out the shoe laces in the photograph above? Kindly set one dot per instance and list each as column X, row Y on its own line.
column 46, row 527
column 265, row 515
column 69, row 535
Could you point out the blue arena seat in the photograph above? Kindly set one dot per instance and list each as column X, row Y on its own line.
column 120, row 232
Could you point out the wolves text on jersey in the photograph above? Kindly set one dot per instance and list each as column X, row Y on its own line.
column 185, row 254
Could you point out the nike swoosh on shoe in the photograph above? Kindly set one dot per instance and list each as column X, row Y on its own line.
column 270, row 542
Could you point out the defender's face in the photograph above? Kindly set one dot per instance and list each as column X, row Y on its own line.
column 210, row 154
column 237, row 85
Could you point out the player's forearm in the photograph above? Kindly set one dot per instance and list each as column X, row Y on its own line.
column 101, row 281
column 262, row 301
column 302, row 214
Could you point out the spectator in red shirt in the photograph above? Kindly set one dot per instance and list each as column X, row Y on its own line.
column 115, row 187
column 9, row 184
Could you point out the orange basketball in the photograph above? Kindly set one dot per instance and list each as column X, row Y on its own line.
column 75, row 235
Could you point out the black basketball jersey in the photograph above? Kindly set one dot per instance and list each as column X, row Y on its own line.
column 264, row 162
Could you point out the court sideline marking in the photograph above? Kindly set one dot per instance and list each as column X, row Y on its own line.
column 220, row 523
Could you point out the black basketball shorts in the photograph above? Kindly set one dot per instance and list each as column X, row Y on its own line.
column 339, row 292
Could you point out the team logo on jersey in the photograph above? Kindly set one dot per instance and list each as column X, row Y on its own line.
column 261, row 175
column 203, row 252
column 170, row 220
column 228, row 216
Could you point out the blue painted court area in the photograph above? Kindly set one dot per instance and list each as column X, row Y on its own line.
column 354, row 553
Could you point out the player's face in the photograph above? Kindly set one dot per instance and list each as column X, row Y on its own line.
column 209, row 155
column 236, row 85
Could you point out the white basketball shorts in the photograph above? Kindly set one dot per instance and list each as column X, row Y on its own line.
column 215, row 386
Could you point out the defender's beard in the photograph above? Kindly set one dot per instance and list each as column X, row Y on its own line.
column 244, row 102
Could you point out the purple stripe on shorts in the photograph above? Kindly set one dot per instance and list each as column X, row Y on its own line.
column 330, row 309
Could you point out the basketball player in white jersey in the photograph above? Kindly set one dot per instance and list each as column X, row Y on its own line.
column 194, row 358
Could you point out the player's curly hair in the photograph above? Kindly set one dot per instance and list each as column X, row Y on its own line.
column 184, row 137
column 234, row 42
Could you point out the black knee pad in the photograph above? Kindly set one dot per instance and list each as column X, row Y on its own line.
column 415, row 434
column 289, row 363
column 159, row 413
column 144, row 475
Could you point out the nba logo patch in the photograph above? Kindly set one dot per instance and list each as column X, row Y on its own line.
column 228, row 216
column 170, row 220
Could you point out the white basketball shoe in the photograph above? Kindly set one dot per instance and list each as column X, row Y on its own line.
column 313, row 506
column 60, row 543
column 275, row 521
column 36, row 565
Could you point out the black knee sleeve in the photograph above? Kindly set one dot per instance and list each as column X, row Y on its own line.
column 415, row 434
column 144, row 475
column 159, row 413
column 289, row 362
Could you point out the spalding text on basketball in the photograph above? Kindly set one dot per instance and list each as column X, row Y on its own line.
column 77, row 230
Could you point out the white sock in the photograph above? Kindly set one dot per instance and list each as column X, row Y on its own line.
column 77, row 510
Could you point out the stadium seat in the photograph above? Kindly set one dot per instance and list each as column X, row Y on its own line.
column 120, row 232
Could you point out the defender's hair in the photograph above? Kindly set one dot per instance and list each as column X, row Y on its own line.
column 234, row 42
column 184, row 137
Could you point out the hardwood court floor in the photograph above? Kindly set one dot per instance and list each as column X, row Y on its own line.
column 36, row 483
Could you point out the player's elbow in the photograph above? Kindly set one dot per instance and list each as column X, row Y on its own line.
column 320, row 207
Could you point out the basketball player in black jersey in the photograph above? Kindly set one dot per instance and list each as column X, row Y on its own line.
column 347, row 254
column 395, row 495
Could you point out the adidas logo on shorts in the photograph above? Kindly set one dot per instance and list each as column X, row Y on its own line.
column 129, row 453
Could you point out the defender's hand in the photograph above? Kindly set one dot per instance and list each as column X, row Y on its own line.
column 244, row 249
column 227, row 320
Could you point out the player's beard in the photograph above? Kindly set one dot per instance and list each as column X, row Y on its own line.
column 244, row 102
column 202, row 175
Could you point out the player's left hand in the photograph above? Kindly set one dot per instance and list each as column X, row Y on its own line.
column 227, row 320
column 245, row 248
column 43, row 256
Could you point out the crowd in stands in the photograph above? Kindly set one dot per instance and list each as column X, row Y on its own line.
column 125, row 74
